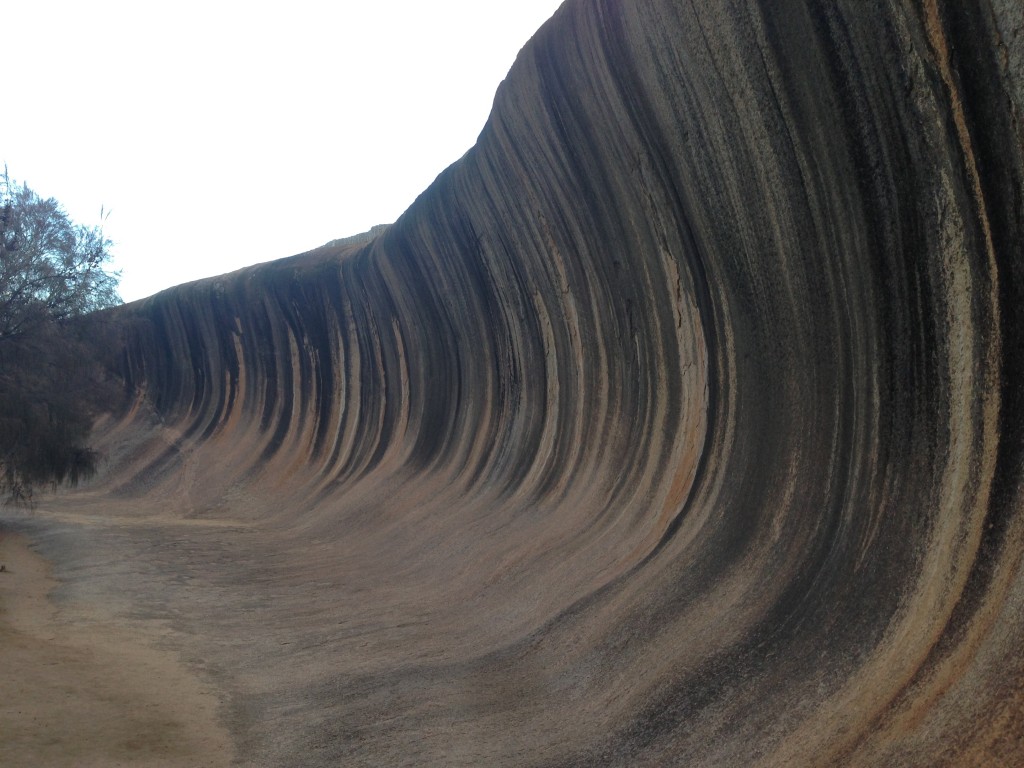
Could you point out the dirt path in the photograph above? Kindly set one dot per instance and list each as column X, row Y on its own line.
column 95, row 695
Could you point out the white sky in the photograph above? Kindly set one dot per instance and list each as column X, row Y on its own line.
column 220, row 133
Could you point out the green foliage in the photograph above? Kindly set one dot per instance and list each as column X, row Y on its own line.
column 51, row 269
column 53, row 273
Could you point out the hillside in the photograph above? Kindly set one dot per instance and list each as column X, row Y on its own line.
column 680, row 422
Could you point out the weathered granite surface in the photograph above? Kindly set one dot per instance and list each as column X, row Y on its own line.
column 680, row 422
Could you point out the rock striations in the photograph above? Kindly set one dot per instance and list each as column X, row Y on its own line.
column 680, row 422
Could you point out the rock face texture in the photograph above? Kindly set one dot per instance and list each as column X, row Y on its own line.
column 680, row 422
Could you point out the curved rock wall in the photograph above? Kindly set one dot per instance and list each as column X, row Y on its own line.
column 679, row 422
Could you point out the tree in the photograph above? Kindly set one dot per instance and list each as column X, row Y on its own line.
column 53, row 274
column 51, row 269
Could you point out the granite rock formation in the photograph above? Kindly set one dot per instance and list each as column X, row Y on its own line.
column 680, row 422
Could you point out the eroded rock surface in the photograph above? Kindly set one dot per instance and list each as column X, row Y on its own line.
column 678, row 423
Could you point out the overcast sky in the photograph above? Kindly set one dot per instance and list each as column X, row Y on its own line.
column 220, row 134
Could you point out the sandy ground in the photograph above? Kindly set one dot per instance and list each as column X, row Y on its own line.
column 74, row 694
